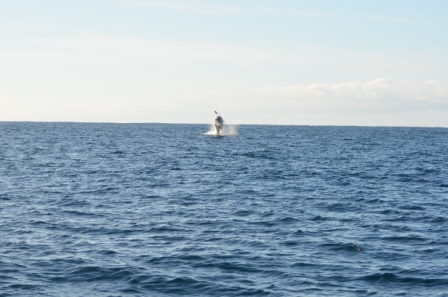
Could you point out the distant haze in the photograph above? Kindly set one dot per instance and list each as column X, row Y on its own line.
column 348, row 62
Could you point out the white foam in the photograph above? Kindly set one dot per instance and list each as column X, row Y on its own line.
column 227, row 130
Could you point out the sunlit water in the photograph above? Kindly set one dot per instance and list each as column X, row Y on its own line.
column 167, row 210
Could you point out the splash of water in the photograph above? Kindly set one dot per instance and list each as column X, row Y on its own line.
column 227, row 130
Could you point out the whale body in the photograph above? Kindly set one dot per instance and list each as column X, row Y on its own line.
column 219, row 123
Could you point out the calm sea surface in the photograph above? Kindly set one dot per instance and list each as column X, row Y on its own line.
column 169, row 210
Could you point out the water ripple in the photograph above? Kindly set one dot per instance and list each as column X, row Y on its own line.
column 164, row 210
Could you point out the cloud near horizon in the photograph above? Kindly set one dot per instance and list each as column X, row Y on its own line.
column 383, row 101
column 380, row 101
column 375, row 95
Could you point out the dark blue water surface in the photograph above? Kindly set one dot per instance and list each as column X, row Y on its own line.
column 165, row 210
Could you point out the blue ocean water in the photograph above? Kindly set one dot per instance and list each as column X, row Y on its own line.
column 169, row 210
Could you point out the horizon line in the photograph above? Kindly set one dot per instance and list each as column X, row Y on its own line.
column 253, row 124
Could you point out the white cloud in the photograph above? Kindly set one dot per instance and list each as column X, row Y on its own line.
column 379, row 102
column 375, row 95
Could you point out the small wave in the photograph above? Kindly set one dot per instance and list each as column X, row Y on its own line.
column 4, row 197
column 23, row 287
column 288, row 220
column 188, row 286
column 244, row 213
column 411, row 207
column 342, row 247
column 166, row 229
column 377, row 277
column 439, row 220
column 91, row 273
column 232, row 266
column 262, row 154
column 298, row 232
column 391, row 277
column 405, row 238
column 118, row 152
column 291, row 243
column 319, row 218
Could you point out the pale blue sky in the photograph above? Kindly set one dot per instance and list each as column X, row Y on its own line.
column 257, row 62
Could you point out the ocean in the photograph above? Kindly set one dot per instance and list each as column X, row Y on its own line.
column 91, row 209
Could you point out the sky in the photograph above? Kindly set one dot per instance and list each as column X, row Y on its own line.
column 284, row 62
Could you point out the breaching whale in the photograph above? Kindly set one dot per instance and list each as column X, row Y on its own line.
column 219, row 123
